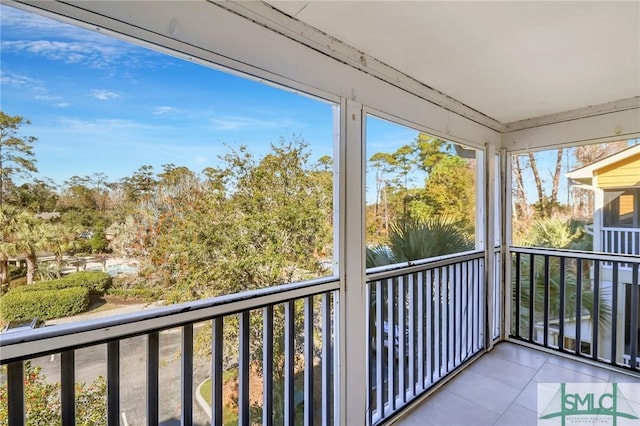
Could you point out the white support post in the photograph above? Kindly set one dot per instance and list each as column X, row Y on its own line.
column 598, row 216
column 489, row 240
column 353, row 298
column 507, row 205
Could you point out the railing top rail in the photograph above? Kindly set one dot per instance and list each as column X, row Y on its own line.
column 590, row 255
column 404, row 268
column 619, row 228
column 58, row 338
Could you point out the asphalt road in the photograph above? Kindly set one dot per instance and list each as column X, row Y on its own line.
column 91, row 363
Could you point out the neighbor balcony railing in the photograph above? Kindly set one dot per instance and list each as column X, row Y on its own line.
column 585, row 304
column 305, row 313
column 426, row 319
column 621, row 240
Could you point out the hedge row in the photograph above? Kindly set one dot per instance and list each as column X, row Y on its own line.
column 94, row 281
column 46, row 304
column 144, row 294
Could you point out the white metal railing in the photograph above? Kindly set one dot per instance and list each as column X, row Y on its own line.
column 621, row 240
column 304, row 314
column 426, row 319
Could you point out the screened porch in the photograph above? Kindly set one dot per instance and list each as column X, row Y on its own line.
column 406, row 341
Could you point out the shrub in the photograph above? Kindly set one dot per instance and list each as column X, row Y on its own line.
column 59, row 284
column 44, row 304
column 144, row 294
column 94, row 281
column 41, row 400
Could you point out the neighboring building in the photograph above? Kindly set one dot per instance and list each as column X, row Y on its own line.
column 615, row 182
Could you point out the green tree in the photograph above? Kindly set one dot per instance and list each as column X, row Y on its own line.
column 16, row 152
column 449, row 191
column 172, row 175
column 251, row 223
column 37, row 196
column 141, row 184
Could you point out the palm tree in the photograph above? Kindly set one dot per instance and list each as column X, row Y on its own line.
column 413, row 240
column 559, row 233
column 63, row 241
column 30, row 236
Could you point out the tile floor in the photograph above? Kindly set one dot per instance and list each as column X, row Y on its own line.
column 500, row 389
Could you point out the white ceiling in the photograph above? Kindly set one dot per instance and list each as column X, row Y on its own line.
column 509, row 60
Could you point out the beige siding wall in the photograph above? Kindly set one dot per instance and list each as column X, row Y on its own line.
column 623, row 174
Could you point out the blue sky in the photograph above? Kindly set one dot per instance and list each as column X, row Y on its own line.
column 98, row 104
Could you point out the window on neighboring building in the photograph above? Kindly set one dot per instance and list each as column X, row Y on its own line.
column 622, row 208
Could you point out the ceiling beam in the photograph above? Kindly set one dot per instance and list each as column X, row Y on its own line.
column 272, row 18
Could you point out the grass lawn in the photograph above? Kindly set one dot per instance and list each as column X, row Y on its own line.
column 229, row 415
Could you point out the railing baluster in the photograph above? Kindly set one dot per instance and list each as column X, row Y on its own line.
column 578, row 304
column 464, row 295
column 634, row 317
column 187, row 375
column 15, row 390
column 412, row 331
column 532, row 266
column 67, row 387
column 326, row 359
column 469, row 308
column 421, row 330
column 308, row 361
column 402, row 335
column 379, row 351
column 216, row 371
column 113, row 383
column 474, row 307
column 153, row 365
column 596, row 310
column 545, row 337
column 457, row 277
column 446, row 319
column 456, row 316
column 267, row 365
column 451, row 323
column 391, row 345
column 430, row 318
column 437, row 340
column 517, row 296
column 482, row 298
column 243, row 369
column 614, row 313
column 289, row 363
column 561, row 308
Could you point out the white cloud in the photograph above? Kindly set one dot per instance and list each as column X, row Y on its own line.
column 104, row 95
column 240, row 123
column 161, row 110
column 37, row 87
column 62, row 104
column 25, row 32
column 18, row 80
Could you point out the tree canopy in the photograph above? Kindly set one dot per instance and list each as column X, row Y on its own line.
column 16, row 152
